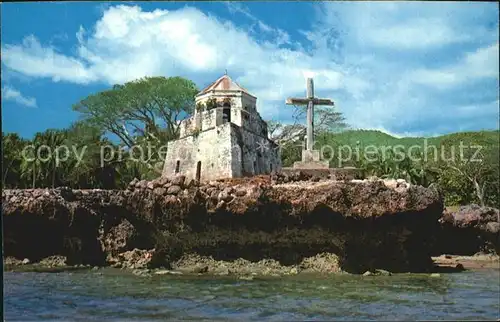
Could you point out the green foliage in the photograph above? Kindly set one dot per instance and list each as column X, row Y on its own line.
column 472, row 170
column 200, row 107
column 211, row 103
column 150, row 106
column 290, row 153
column 445, row 160
column 77, row 163
column 37, row 161
column 12, row 145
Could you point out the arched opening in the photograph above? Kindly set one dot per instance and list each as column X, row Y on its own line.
column 255, row 171
column 177, row 166
column 270, row 167
column 198, row 171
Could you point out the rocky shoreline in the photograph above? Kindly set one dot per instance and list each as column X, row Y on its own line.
column 268, row 225
column 476, row 262
column 469, row 230
column 195, row 265
column 192, row 264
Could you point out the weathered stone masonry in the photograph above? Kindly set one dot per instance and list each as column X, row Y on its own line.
column 225, row 138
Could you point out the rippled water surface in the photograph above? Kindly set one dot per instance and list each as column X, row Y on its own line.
column 114, row 295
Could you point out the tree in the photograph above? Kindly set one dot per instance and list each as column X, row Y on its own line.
column 475, row 170
column 290, row 137
column 42, row 162
column 31, row 166
column 469, row 167
column 12, row 145
column 326, row 119
column 84, row 168
column 151, row 107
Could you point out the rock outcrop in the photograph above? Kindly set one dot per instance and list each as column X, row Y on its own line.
column 469, row 230
column 369, row 225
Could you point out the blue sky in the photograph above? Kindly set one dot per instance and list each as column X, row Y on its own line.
column 407, row 68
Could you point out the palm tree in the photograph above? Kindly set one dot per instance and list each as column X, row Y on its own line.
column 31, row 164
column 12, row 145
column 55, row 139
column 41, row 162
column 82, row 167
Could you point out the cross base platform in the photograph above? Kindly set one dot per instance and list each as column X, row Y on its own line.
column 311, row 160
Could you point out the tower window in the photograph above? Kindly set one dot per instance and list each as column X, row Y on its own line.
column 226, row 115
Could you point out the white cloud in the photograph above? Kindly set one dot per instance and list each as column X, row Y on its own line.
column 31, row 59
column 480, row 64
column 372, row 58
column 410, row 25
column 416, row 34
column 128, row 43
column 11, row 94
column 395, row 47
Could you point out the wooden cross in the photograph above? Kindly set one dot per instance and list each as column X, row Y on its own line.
column 310, row 101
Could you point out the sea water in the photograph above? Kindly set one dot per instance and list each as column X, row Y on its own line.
column 112, row 294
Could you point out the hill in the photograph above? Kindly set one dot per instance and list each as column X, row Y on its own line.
column 378, row 138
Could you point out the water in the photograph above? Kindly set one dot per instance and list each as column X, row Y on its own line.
column 115, row 295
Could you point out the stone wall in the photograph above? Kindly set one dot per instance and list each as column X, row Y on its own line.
column 209, row 119
column 238, row 99
column 250, row 121
column 224, row 152
column 243, row 112
column 212, row 148
column 186, row 127
column 253, row 154
column 200, row 121
column 212, row 118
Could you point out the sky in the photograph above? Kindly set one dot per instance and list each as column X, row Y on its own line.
column 405, row 68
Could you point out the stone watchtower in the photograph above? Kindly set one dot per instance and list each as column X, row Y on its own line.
column 225, row 138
